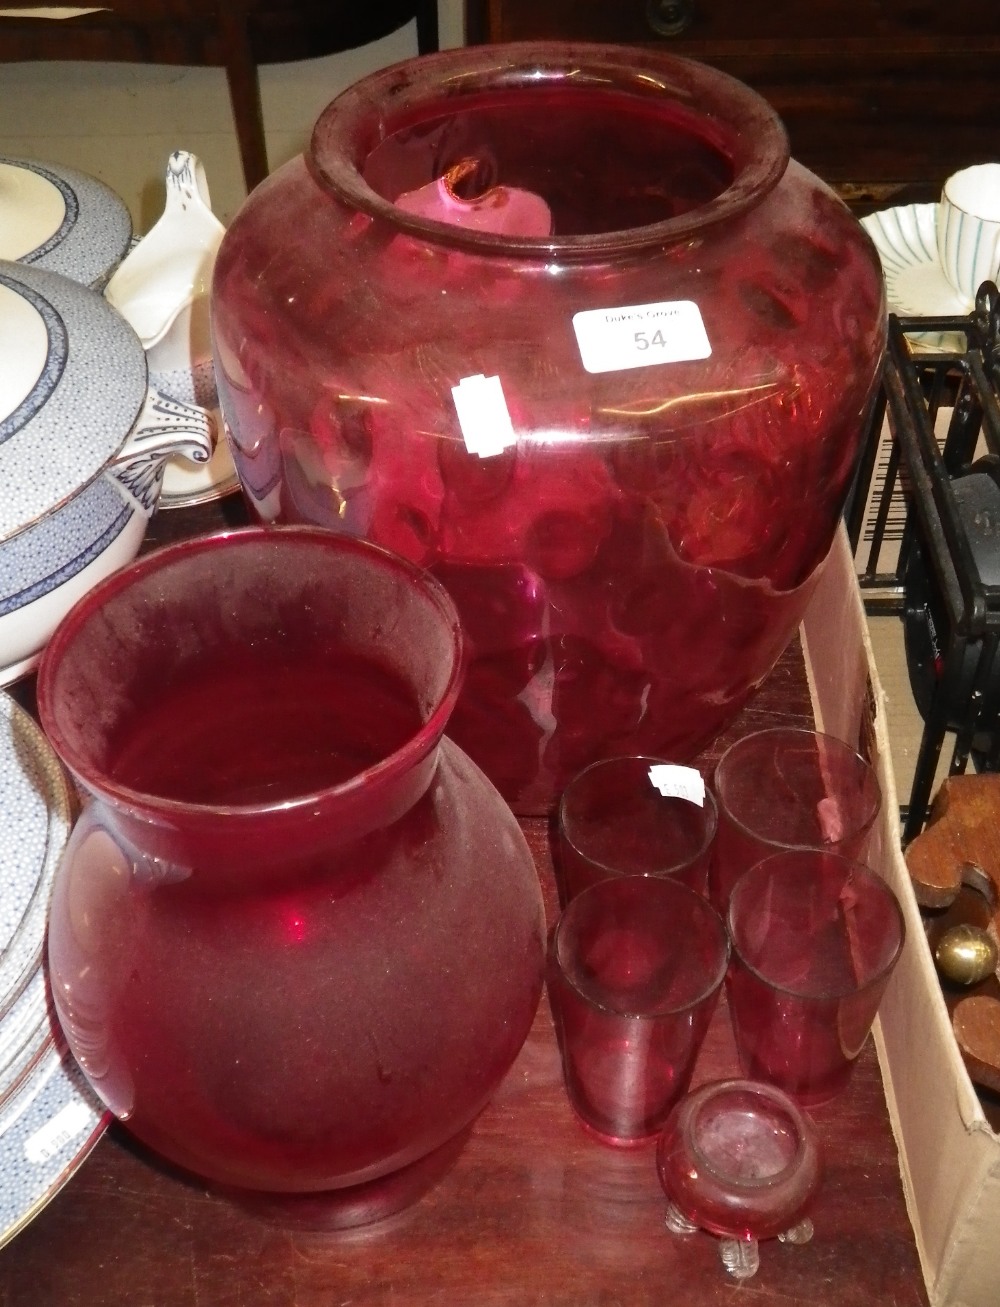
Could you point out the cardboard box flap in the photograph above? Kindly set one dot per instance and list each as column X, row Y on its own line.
column 949, row 1155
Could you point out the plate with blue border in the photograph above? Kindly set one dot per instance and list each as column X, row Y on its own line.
column 37, row 806
column 62, row 220
column 48, row 1128
column 50, row 1119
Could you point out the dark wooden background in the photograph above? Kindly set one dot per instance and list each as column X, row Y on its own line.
column 882, row 98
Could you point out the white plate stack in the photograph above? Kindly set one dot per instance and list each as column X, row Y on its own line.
column 49, row 1118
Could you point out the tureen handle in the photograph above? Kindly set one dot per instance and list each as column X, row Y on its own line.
column 164, row 428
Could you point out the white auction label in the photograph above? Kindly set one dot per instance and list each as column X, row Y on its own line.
column 639, row 335
column 64, row 1127
column 675, row 782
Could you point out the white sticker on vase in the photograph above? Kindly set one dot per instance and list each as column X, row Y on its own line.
column 640, row 335
column 483, row 415
column 675, row 782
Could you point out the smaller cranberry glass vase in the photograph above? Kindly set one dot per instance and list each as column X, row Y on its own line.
column 297, row 937
column 739, row 1159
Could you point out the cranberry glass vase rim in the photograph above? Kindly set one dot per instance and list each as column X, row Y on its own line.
column 711, row 824
column 697, row 901
column 727, row 112
column 704, row 1099
column 746, row 887
column 402, row 760
column 793, row 733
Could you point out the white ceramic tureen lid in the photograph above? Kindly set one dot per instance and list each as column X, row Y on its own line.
column 72, row 384
column 62, row 220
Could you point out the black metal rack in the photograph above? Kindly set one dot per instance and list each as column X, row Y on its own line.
column 947, row 598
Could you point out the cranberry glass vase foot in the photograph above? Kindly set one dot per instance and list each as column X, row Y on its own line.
column 363, row 1204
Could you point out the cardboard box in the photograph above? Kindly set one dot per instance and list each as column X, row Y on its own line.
column 949, row 1155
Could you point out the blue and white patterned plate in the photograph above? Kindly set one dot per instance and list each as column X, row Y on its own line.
column 36, row 803
column 26, row 1033
column 73, row 383
column 49, row 1117
column 62, row 220
column 47, row 1129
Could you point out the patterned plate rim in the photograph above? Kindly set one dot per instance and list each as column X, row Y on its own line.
column 73, row 1124
column 24, row 949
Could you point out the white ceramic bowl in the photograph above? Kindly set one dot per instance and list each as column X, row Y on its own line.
column 83, row 443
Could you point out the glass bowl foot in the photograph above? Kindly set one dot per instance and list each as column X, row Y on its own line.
column 740, row 1257
column 678, row 1223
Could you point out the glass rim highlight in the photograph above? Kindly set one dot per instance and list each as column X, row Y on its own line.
column 698, row 95
column 800, row 732
column 660, row 873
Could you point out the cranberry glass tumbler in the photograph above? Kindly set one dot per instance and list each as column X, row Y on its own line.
column 297, row 937
column 815, row 939
column 619, row 818
column 635, row 969
column 563, row 325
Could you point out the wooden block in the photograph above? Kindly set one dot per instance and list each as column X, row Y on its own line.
column 976, row 1023
column 961, row 846
column 961, row 843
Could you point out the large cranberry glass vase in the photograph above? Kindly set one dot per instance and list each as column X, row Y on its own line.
column 297, row 937
column 565, row 326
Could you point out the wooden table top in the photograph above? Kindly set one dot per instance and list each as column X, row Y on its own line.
column 534, row 1211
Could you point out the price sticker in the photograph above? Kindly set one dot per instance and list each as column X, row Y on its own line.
column 483, row 415
column 675, row 782
column 64, row 1127
column 641, row 335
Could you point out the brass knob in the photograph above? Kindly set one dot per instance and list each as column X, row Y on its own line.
column 966, row 955
column 669, row 17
